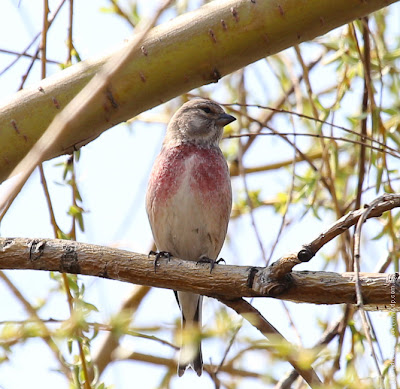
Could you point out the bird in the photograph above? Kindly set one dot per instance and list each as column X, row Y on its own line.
column 188, row 203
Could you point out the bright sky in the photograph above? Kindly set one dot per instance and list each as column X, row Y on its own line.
column 112, row 176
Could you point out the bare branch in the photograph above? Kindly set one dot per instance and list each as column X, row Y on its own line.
column 224, row 282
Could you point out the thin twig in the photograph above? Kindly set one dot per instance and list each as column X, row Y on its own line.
column 288, row 202
column 250, row 203
column 395, row 154
column 365, row 214
column 366, row 60
column 110, row 343
column 32, row 312
column 35, row 56
column 118, row 10
column 307, row 117
column 279, row 103
column 171, row 363
column 326, row 338
column 230, row 344
column 360, row 302
column 348, row 313
column 286, row 139
column 70, row 31
column 12, row 52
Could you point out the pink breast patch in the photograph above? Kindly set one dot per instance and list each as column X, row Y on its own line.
column 207, row 169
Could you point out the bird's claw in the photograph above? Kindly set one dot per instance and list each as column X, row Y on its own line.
column 159, row 254
column 212, row 262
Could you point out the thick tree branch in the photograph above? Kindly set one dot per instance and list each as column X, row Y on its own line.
column 228, row 282
column 192, row 50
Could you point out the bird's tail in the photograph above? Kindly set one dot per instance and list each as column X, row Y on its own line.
column 190, row 353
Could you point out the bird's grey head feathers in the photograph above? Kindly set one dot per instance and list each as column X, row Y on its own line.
column 198, row 121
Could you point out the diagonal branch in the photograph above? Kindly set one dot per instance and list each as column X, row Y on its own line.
column 284, row 265
column 254, row 317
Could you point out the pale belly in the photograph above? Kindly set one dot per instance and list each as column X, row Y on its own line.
column 191, row 229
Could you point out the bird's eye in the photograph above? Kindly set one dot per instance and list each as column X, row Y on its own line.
column 206, row 110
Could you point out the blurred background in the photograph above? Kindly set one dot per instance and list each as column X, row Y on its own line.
column 287, row 189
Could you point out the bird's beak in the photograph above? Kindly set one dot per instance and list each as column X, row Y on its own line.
column 225, row 119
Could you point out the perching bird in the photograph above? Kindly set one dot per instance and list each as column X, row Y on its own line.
column 189, row 200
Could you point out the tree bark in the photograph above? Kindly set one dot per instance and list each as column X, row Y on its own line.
column 380, row 291
column 194, row 49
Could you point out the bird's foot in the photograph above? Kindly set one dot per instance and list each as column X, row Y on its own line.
column 212, row 262
column 159, row 254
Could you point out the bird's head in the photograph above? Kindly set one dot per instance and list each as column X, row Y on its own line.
column 198, row 121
